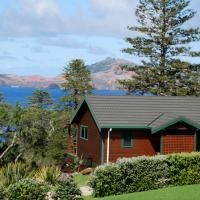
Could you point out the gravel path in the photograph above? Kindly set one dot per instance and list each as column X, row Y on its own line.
column 86, row 190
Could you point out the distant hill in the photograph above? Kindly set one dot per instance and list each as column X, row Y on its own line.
column 104, row 76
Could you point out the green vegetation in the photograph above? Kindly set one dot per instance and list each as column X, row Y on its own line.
column 162, row 42
column 27, row 189
column 78, row 81
column 172, row 193
column 146, row 173
column 81, row 180
column 41, row 99
column 67, row 190
column 50, row 174
column 13, row 173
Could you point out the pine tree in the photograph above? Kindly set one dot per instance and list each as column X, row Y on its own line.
column 78, row 81
column 163, row 41
column 41, row 99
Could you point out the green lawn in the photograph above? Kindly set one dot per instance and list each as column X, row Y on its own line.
column 191, row 192
column 81, row 180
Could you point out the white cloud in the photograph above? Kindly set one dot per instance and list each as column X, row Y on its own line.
column 38, row 18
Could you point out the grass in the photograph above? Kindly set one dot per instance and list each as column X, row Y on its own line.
column 81, row 180
column 190, row 192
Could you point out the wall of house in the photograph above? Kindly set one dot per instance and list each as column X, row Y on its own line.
column 178, row 138
column 89, row 149
column 144, row 143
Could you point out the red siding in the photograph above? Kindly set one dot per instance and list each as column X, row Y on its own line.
column 178, row 143
column 89, row 149
column 179, row 138
column 143, row 144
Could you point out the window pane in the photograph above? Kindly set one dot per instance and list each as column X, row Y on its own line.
column 82, row 132
column 86, row 133
column 127, row 141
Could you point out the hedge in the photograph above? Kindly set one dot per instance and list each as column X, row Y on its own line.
column 145, row 173
column 130, row 175
column 184, row 168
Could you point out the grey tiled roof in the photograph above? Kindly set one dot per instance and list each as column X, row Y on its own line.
column 147, row 111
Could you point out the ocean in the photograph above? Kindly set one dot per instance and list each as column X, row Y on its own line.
column 13, row 95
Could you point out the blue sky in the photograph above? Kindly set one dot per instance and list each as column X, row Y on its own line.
column 41, row 36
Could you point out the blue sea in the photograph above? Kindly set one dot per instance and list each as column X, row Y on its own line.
column 13, row 95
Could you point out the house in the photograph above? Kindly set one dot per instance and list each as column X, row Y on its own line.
column 110, row 127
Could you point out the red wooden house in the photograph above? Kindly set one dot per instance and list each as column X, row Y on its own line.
column 110, row 127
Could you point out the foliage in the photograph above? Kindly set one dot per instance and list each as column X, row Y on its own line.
column 41, row 99
column 106, row 180
column 2, row 100
column 164, row 40
column 130, row 175
column 48, row 174
column 77, row 81
column 184, row 169
column 67, row 190
column 33, row 132
column 2, row 196
column 27, row 189
column 13, row 173
column 75, row 164
column 57, row 144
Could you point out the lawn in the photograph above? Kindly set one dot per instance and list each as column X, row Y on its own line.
column 191, row 192
column 81, row 180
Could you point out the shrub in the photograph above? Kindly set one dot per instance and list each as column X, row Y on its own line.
column 106, row 180
column 184, row 168
column 130, row 175
column 143, row 173
column 27, row 189
column 67, row 190
column 2, row 196
column 12, row 173
column 48, row 174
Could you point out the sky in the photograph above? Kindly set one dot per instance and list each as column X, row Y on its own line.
column 42, row 36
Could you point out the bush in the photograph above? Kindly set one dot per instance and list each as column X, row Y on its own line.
column 184, row 168
column 106, row 180
column 143, row 173
column 27, row 189
column 49, row 174
column 130, row 175
column 67, row 190
column 12, row 173
column 2, row 196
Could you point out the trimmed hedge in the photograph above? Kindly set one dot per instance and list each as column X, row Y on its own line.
column 184, row 168
column 130, row 175
column 145, row 173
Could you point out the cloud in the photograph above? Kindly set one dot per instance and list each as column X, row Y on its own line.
column 69, row 42
column 62, row 41
column 45, row 17
column 8, row 58
column 96, row 50
column 28, row 59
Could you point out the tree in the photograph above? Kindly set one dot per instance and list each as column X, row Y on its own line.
column 163, row 42
column 41, row 99
column 77, row 81
column 2, row 100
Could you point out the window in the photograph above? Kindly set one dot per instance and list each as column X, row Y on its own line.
column 84, row 132
column 127, row 141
